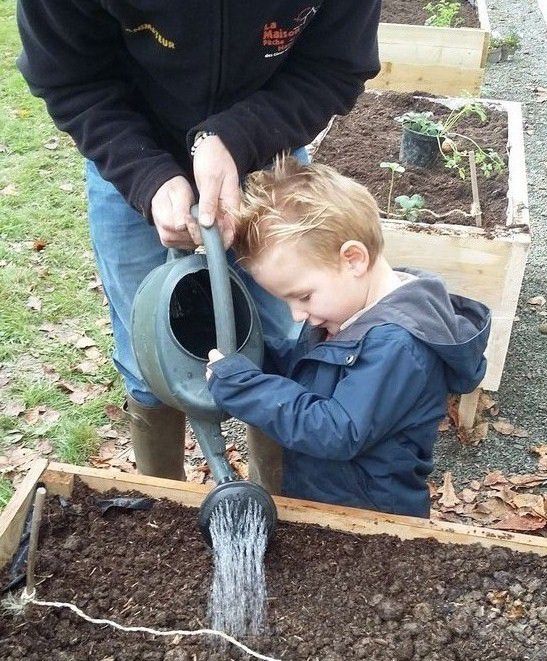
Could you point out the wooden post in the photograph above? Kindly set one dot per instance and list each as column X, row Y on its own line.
column 33, row 542
column 467, row 410
column 476, row 206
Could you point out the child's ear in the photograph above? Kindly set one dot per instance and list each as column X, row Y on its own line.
column 354, row 256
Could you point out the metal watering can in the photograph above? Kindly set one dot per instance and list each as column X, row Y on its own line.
column 182, row 309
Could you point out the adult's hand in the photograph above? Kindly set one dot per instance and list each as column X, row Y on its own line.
column 217, row 180
column 171, row 213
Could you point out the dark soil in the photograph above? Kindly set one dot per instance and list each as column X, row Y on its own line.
column 413, row 12
column 332, row 595
column 369, row 135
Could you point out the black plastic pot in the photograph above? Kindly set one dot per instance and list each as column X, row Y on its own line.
column 418, row 149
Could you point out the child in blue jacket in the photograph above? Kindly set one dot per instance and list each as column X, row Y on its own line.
column 356, row 401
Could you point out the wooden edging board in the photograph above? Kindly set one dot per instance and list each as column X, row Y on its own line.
column 59, row 480
column 439, row 60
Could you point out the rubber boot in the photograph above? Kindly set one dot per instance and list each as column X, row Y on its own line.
column 157, row 434
column 265, row 461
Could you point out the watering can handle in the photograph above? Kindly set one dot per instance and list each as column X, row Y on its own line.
column 221, row 289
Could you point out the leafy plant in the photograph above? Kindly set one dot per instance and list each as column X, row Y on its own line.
column 421, row 122
column 394, row 168
column 410, row 206
column 488, row 160
column 443, row 13
column 510, row 41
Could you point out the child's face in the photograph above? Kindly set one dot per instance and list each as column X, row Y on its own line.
column 323, row 296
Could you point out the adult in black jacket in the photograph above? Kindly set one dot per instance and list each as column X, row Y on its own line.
column 139, row 85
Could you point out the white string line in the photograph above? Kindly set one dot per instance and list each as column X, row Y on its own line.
column 177, row 632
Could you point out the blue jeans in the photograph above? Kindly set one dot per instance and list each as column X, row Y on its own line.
column 127, row 248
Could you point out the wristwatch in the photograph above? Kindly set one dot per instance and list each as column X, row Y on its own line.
column 200, row 137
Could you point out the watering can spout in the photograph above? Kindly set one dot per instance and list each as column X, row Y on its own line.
column 240, row 495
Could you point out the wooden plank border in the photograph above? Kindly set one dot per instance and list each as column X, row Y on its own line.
column 439, row 60
column 12, row 519
column 59, row 479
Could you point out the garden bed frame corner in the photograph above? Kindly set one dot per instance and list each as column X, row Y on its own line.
column 438, row 60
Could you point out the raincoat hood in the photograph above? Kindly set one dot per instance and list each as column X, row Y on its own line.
column 456, row 328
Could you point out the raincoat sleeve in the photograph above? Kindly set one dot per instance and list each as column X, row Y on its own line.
column 322, row 76
column 278, row 355
column 372, row 396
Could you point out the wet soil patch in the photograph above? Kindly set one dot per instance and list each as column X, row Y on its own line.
column 413, row 12
column 332, row 595
column 369, row 135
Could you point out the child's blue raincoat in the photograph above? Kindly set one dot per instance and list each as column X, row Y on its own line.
column 357, row 415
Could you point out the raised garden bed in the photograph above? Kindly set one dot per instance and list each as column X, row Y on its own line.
column 483, row 263
column 342, row 583
column 439, row 60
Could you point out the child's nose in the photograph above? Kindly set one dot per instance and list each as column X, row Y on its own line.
column 298, row 315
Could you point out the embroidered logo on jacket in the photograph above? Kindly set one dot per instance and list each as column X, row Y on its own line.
column 278, row 39
column 157, row 36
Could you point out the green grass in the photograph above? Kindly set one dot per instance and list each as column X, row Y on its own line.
column 6, row 492
column 36, row 207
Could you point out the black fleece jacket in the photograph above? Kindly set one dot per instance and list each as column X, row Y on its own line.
column 132, row 81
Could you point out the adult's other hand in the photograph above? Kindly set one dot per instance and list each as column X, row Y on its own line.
column 171, row 213
column 217, row 180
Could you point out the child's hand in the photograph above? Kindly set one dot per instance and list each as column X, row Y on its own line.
column 214, row 355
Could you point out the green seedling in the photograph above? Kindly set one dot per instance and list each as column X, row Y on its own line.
column 488, row 160
column 510, row 41
column 395, row 168
column 410, row 206
column 421, row 122
column 443, row 14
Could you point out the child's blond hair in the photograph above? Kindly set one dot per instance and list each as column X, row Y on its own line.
column 313, row 204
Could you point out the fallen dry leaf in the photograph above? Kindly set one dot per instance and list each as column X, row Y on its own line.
column 52, row 143
column 495, row 507
column 531, row 501
column 9, row 190
column 475, row 435
column 41, row 414
column 495, row 477
column 536, row 300
column 520, row 523
column 114, row 412
column 84, row 342
column 93, row 353
column 504, row 427
column 13, row 409
column 516, row 610
column 541, row 450
column 444, row 425
column 541, row 93
column 106, row 431
column 468, row 495
column 449, row 499
column 486, row 403
column 34, row 303
column 528, row 480
column 433, row 491
column 87, row 367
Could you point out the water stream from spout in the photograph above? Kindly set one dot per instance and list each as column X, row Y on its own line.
column 237, row 603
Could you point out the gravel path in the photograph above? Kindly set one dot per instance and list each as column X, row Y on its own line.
column 522, row 396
